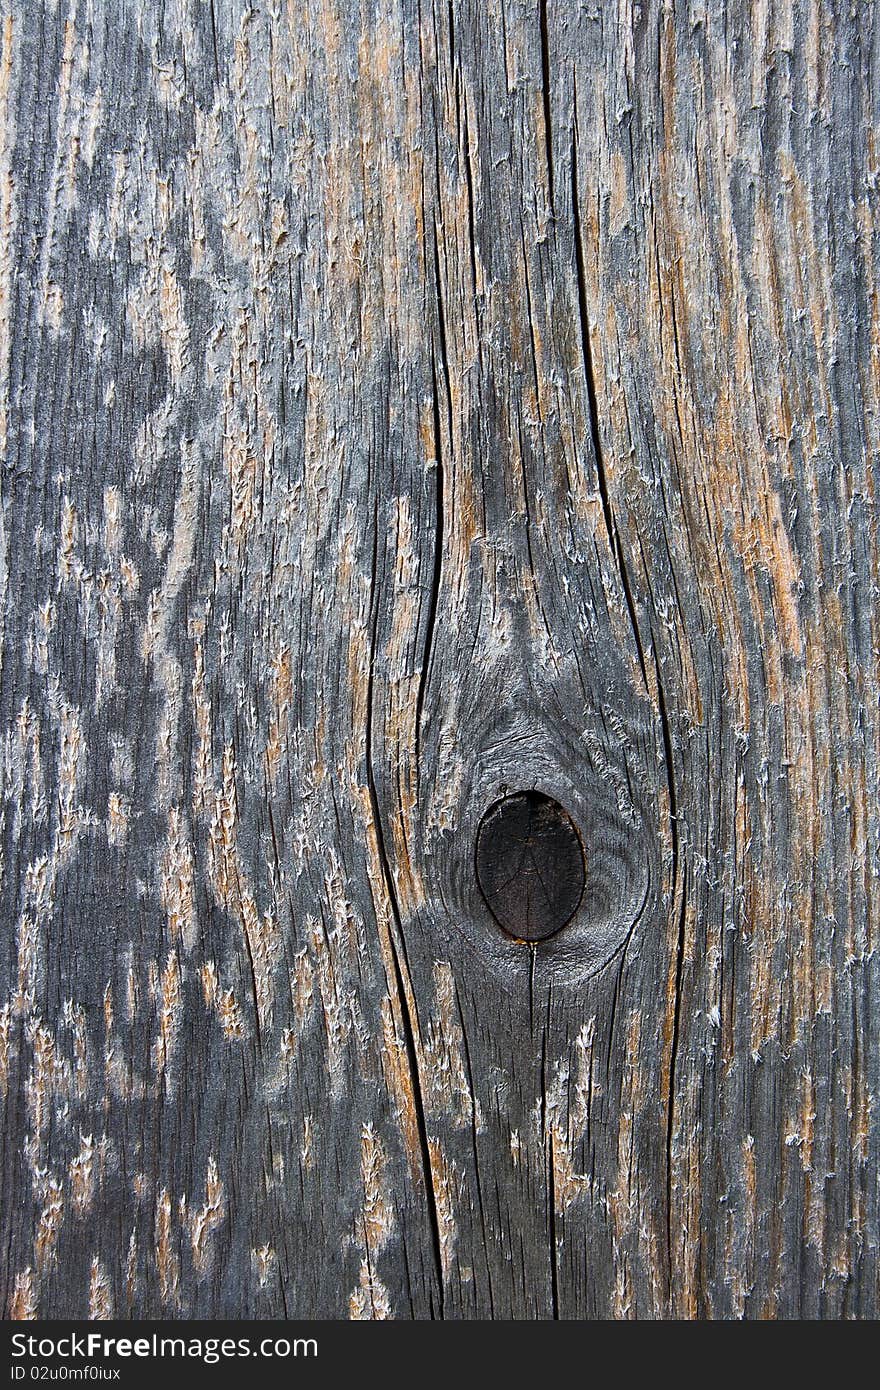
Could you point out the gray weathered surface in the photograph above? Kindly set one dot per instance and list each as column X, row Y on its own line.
column 399, row 403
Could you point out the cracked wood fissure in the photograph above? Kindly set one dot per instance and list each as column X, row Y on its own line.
column 402, row 404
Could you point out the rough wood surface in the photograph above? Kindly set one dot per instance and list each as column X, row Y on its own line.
column 401, row 402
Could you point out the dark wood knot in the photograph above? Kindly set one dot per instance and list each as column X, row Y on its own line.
column 530, row 865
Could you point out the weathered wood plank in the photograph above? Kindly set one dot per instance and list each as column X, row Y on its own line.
column 402, row 403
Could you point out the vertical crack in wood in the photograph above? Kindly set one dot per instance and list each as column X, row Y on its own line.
column 401, row 969
column 549, row 1165
column 469, row 181
column 670, row 1101
column 437, row 567
column 545, row 93
column 521, row 452
column 592, row 402
column 679, row 963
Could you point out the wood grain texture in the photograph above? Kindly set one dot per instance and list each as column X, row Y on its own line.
column 401, row 402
